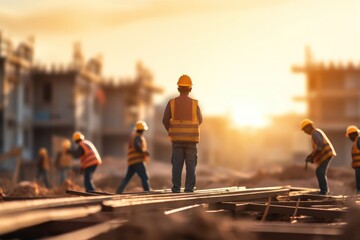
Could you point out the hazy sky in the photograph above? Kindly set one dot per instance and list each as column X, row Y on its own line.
column 238, row 52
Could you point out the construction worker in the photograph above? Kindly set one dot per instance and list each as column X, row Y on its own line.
column 43, row 167
column 89, row 159
column 64, row 161
column 182, row 118
column 137, row 158
column 352, row 132
column 322, row 153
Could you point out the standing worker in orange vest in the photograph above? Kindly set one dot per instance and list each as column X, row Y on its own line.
column 44, row 167
column 322, row 153
column 352, row 133
column 89, row 159
column 182, row 118
column 137, row 158
column 64, row 161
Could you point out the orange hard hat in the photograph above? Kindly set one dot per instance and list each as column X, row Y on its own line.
column 184, row 81
column 78, row 136
column 305, row 122
column 351, row 129
column 141, row 125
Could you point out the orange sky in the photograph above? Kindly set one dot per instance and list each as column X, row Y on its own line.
column 238, row 53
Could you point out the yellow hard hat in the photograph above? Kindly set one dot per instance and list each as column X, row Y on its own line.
column 78, row 136
column 42, row 151
column 184, row 81
column 141, row 125
column 305, row 122
column 66, row 144
column 351, row 129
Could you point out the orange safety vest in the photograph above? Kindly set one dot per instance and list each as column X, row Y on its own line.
column 133, row 155
column 184, row 128
column 65, row 159
column 91, row 156
column 328, row 150
column 45, row 164
column 355, row 154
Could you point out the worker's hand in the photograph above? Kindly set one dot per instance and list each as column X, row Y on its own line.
column 309, row 159
column 147, row 153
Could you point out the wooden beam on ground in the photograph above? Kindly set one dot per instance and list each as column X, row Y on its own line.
column 271, row 230
column 12, row 222
column 27, row 205
column 90, row 232
column 284, row 210
column 176, row 202
column 78, row 193
column 177, row 210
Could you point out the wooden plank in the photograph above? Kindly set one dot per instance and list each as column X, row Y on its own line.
column 287, row 210
column 78, row 193
column 90, row 232
column 13, row 222
column 182, row 209
column 271, row 230
column 19, row 206
column 141, row 205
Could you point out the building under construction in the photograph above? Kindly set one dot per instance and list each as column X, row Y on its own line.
column 40, row 104
column 333, row 101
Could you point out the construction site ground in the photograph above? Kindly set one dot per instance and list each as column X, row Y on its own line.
column 226, row 219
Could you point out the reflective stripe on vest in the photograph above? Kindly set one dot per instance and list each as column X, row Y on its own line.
column 184, row 130
column 133, row 155
column 355, row 154
column 327, row 151
column 91, row 156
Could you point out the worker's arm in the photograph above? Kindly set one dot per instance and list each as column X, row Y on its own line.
column 167, row 117
column 138, row 145
column 358, row 143
column 199, row 115
column 77, row 152
column 318, row 140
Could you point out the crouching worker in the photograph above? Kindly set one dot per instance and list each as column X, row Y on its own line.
column 89, row 159
column 137, row 156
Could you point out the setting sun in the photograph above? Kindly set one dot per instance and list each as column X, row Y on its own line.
column 249, row 118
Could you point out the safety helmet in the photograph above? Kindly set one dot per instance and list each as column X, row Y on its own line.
column 42, row 151
column 305, row 122
column 184, row 81
column 141, row 125
column 66, row 144
column 351, row 129
column 78, row 136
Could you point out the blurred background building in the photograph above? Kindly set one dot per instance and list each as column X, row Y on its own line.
column 333, row 101
column 40, row 104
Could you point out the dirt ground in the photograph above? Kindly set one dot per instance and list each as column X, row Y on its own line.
column 109, row 175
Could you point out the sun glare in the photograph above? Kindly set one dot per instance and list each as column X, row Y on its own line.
column 249, row 119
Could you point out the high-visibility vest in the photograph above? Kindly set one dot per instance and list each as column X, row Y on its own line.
column 328, row 150
column 355, row 154
column 184, row 128
column 45, row 162
column 91, row 156
column 133, row 155
column 65, row 159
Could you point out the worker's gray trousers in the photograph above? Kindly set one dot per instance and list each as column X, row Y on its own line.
column 184, row 152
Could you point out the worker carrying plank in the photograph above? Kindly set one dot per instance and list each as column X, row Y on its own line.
column 182, row 118
column 89, row 159
column 138, row 156
column 322, row 153
column 352, row 132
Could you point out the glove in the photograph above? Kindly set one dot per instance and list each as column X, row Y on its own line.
column 147, row 153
